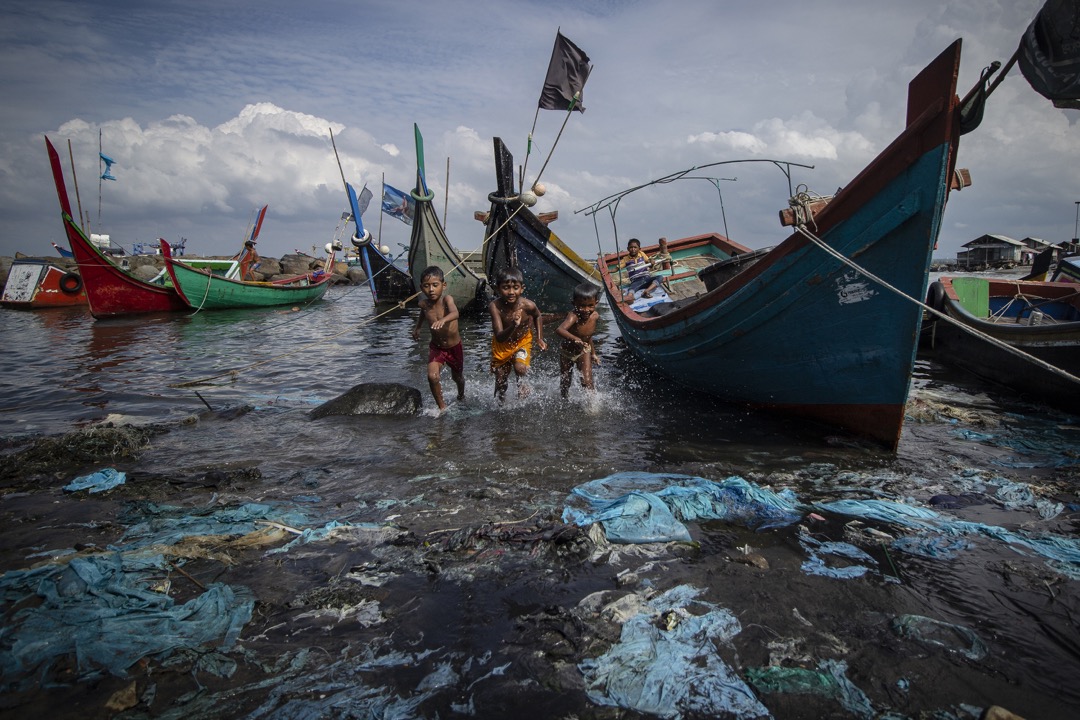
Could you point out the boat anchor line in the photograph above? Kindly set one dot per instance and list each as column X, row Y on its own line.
column 399, row 306
column 801, row 229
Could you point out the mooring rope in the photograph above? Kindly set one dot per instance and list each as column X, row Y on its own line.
column 801, row 204
column 974, row 331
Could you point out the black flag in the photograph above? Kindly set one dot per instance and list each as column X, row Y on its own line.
column 1050, row 53
column 567, row 72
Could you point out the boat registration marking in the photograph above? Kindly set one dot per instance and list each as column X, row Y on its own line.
column 850, row 288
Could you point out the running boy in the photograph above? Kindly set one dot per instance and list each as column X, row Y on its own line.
column 576, row 332
column 441, row 313
column 512, row 318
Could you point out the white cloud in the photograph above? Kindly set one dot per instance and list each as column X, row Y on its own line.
column 229, row 112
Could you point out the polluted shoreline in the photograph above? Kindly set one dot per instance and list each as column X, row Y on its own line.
column 829, row 589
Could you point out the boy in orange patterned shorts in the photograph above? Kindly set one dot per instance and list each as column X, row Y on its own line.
column 512, row 318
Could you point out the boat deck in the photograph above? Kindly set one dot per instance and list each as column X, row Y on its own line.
column 679, row 284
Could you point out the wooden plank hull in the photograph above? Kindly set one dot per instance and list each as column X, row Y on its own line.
column 203, row 290
column 428, row 245
column 515, row 237
column 1052, row 335
column 1068, row 270
column 801, row 332
column 110, row 290
column 388, row 282
column 38, row 285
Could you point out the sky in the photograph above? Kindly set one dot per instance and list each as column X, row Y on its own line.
column 213, row 109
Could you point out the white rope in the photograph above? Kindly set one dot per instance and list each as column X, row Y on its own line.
column 801, row 205
column 974, row 331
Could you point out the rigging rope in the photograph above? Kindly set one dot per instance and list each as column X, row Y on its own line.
column 974, row 331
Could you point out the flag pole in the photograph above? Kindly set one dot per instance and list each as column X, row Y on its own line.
column 75, row 179
column 338, row 158
column 382, row 194
column 446, row 193
column 566, row 119
column 528, row 149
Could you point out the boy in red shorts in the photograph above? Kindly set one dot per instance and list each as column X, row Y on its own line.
column 439, row 310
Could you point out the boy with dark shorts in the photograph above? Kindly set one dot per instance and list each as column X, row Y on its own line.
column 577, row 331
column 440, row 312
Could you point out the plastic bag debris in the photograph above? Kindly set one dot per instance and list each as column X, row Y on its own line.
column 97, row 482
column 928, row 631
column 676, row 671
column 628, row 506
column 816, row 565
column 829, row 680
column 638, row 507
column 98, row 609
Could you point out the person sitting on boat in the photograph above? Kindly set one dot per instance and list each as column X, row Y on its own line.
column 512, row 318
column 638, row 269
column 249, row 259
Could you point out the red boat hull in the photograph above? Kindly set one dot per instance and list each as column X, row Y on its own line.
column 38, row 285
column 110, row 291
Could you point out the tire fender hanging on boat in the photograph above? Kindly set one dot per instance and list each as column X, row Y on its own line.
column 70, row 283
column 359, row 242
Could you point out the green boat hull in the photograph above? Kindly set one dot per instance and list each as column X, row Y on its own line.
column 204, row 291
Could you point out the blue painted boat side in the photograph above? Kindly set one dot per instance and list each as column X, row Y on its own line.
column 515, row 237
column 550, row 278
column 808, row 330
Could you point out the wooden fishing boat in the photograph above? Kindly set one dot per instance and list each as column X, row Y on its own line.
column 201, row 289
column 388, row 281
column 1041, row 319
column 515, row 237
column 64, row 253
column 1067, row 270
column 34, row 284
column 110, row 290
column 429, row 245
column 798, row 329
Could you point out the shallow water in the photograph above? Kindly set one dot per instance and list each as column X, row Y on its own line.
column 479, row 462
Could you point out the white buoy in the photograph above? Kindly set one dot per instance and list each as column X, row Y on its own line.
column 385, row 249
column 329, row 248
column 527, row 199
column 539, row 189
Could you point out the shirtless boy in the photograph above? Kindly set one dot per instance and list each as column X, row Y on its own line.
column 440, row 312
column 512, row 318
column 577, row 331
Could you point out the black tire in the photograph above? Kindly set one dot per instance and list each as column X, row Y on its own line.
column 935, row 297
column 70, row 283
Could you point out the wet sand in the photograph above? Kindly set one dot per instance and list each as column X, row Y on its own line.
column 492, row 610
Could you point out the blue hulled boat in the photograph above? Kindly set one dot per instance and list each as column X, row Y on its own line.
column 803, row 328
column 388, row 281
column 515, row 237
